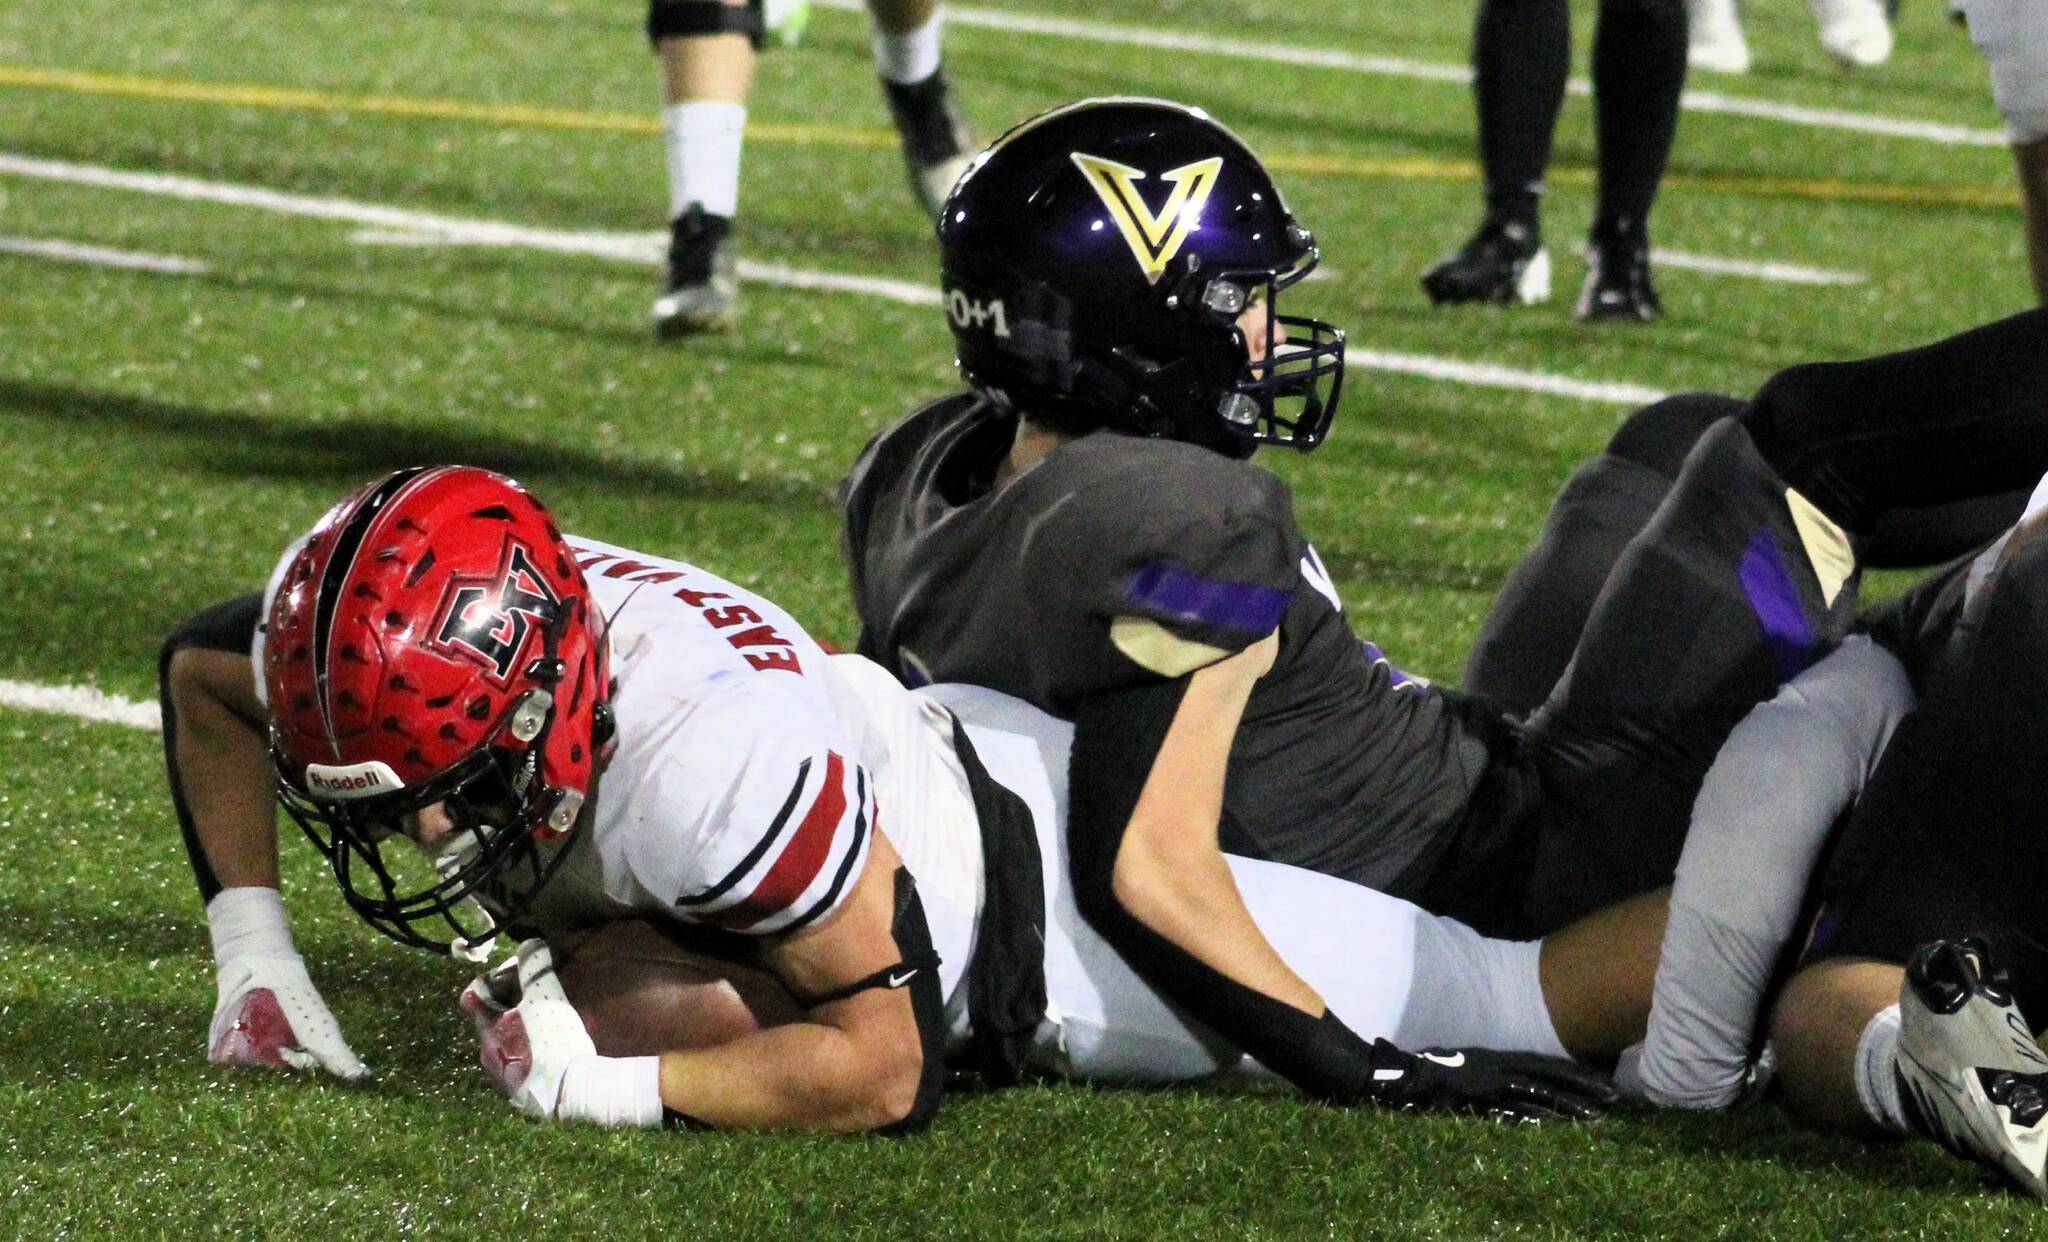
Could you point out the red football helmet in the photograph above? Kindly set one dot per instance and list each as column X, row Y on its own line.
column 434, row 641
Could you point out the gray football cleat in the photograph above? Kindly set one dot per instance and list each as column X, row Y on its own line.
column 703, row 287
column 1970, row 1066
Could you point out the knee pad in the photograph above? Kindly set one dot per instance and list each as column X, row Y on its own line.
column 670, row 19
column 1661, row 434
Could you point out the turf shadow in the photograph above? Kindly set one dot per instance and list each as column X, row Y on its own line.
column 1768, row 1136
column 345, row 451
column 137, row 933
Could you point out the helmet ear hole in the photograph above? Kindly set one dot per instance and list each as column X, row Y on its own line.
column 1226, row 298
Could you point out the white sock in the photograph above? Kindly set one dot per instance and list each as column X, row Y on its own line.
column 703, row 142
column 611, row 1091
column 1877, row 1075
column 1473, row 991
column 910, row 57
column 248, row 922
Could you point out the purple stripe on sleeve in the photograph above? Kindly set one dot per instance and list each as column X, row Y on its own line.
column 1395, row 677
column 1174, row 592
column 1774, row 597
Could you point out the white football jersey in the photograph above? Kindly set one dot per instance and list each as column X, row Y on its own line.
column 734, row 799
column 752, row 769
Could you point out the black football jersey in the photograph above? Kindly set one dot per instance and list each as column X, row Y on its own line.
column 1931, row 627
column 1118, row 560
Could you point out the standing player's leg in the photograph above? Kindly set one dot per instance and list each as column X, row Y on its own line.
column 2013, row 35
column 936, row 141
column 1856, row 32
column 2032, row 159
column 1638, row 74
column 1714, row 38
column 1521, row 56
column 706, row 49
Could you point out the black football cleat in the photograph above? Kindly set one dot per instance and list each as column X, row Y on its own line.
column 937, row 144
column 702, row 291
column 1618, row 278
column 1503, row 262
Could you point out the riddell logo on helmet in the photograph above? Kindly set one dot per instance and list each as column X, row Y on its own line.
column 1154, row 237
column 353, row 780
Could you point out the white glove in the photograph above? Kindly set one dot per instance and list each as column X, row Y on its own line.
column 268, row 1013
column 528, row 1047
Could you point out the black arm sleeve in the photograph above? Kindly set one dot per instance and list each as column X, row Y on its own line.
column 1117, row 736
column 229, row 626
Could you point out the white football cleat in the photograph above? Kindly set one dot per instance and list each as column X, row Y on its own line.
column 527, row 1048
column 1970, row 1063
column 1854, row 32
column 1715, row 39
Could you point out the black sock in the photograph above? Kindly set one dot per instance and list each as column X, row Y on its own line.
column 921, row 116
column 1638, row 74
column 1521, row 54
column 1960, row 418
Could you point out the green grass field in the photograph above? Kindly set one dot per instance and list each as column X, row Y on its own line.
column 166, row 433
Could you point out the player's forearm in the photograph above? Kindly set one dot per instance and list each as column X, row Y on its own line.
column 1191, row 899
column 808, row 1076
column 223, row 770
column 1169, row 871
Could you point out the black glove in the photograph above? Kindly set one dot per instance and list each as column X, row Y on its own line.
column 1515, row 1086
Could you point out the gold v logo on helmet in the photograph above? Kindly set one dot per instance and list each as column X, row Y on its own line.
column 1154, row 237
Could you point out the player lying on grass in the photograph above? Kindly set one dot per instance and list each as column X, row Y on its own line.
column 1079, row 529
column 1901, row 759
column 584, row 738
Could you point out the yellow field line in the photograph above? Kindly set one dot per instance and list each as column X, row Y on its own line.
column 1411, row 168
column 293, row 98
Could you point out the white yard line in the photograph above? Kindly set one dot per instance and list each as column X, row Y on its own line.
column 1434, row 71
column 1490, row 375
column 649, row 249
column 83, row 702
column 1781, row 273
column 100, row 256
column 644, row 248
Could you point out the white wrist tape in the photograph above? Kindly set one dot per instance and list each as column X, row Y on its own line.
column 249, row 922
column 611, row 1091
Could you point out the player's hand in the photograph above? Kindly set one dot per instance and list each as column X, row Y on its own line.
column 528, row 1047
column 1514, row 1086
column 270, row 1014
